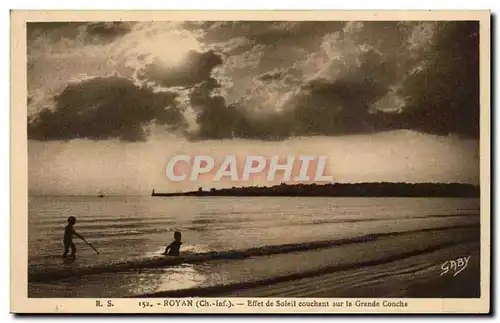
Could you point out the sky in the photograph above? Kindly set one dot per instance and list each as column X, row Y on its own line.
column 109, row 103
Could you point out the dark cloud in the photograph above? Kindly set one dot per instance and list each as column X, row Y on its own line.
column 88, row 32
column 266, row 32
column 444, row 98
column 194, row 69
column 361, row 64
column 218, row 120
column 274, row 75
column 273, row 127
column 108, row 30
column 215, row 119
column 283, row 40
column 335, row 108
column 55, row 30
column 103, row 108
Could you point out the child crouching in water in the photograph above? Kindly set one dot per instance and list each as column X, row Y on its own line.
column 173, row 248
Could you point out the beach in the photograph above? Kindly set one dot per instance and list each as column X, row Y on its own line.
column 412, row 277
column 358, row 271
column 256, row 247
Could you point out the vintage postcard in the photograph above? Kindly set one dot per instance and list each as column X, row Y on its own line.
column 250, row 162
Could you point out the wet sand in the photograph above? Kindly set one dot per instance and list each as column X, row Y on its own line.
column 402, row 265
column 254, row 246
column 414, row 277
column 412, row 268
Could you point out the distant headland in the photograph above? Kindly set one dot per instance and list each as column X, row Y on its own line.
column 379, row 189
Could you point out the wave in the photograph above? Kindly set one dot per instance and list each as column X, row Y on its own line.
column 165, row 261
column 99, row 222
column 382, row 219
column 217, row 290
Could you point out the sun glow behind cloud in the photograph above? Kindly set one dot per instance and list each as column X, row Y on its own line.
column 144, row 90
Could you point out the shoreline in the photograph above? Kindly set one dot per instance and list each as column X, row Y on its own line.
column 425, row 281
column 340, row 190
column 411, row 274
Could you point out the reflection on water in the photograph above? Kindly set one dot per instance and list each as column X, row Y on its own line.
column 181, row 277
column 129, row 228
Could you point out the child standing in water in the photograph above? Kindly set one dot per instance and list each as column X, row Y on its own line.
column 68, row 237
column 173, row 248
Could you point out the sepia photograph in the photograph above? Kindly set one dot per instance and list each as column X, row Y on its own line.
column 331, row 163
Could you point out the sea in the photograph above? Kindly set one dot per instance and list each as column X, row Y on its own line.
column 238, row 243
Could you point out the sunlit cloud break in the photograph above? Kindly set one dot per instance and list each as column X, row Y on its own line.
column 255, row 80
